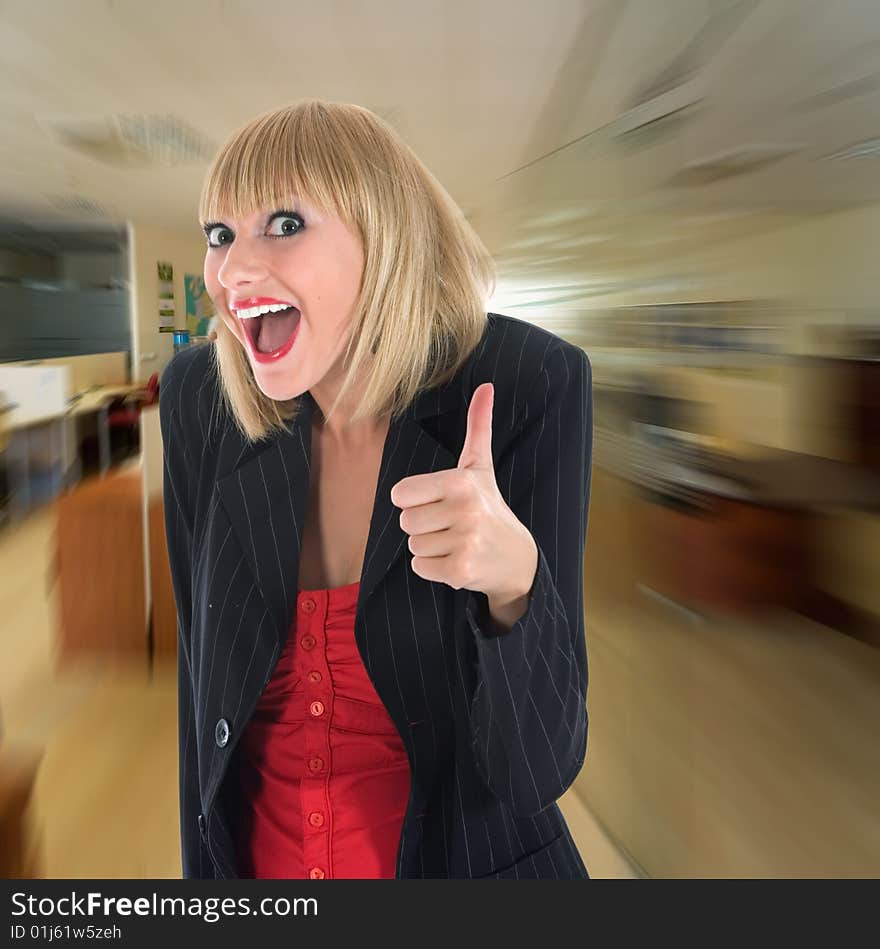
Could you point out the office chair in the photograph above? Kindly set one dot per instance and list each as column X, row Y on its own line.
column 123, row 414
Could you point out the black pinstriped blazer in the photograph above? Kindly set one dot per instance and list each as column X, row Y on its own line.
column 495, row 727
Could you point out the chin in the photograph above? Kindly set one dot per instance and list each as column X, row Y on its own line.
column 280, row 390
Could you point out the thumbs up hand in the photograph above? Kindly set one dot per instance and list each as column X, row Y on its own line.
column 461, row 531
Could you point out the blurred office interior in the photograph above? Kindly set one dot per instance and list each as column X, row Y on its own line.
column 689, row 190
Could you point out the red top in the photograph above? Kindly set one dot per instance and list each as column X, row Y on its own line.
column 324, row 775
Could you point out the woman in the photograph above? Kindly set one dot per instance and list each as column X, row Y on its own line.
column 376, row 506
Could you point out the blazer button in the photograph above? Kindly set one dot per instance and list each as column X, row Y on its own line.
column 221, row 733
column 202, row 825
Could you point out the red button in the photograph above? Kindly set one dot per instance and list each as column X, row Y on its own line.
column 308, row 642
column 308, row 606
column 317, row 709
column 314, row 676
column 316, row 819
column 316, row 873
column 316, row 764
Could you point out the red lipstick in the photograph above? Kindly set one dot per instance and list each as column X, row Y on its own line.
column 245, row 303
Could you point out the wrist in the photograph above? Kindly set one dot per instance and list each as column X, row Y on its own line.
column 508, row 606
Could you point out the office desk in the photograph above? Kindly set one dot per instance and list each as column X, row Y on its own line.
column 42, row 444
column 34, row 456
column 97, row 400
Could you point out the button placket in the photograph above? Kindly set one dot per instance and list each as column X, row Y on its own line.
column 317, row 696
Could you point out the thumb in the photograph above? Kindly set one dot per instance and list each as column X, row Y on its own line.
column 477, row 449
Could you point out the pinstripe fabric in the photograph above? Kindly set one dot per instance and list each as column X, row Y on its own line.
column 495, row 728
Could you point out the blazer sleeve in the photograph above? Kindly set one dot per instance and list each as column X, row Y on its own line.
column 528, row 714
column 178, row 485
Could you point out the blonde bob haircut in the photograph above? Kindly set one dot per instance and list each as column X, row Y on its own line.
column 427, row 276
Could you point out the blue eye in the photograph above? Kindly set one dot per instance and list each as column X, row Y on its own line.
column 285, row 225
column 218, row 235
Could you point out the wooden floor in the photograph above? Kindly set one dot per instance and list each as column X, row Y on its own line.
column 105, row 800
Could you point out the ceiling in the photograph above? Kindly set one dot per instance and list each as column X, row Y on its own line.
column 582, row 137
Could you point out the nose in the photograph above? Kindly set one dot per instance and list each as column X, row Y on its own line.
column 242, row 265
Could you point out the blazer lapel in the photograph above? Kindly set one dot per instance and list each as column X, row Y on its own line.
column 409, row 450
column 265, row 496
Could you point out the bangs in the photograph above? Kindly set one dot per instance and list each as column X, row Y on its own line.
column 272, row 163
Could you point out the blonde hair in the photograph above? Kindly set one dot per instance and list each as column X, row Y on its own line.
column 427, row 276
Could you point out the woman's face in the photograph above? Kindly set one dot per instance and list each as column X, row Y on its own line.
column 306, row 262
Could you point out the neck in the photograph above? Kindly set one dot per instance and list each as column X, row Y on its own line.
column 343, row 433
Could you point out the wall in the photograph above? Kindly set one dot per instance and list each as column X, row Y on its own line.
column 823, row 262
column 152, row 350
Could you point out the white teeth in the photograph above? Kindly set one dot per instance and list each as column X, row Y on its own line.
column 260, row 310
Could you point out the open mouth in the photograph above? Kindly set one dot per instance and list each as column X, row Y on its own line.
column 272, row 335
